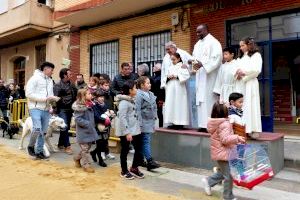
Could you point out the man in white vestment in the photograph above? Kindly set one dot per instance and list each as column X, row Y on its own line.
column 171, row 48
column 208, row 56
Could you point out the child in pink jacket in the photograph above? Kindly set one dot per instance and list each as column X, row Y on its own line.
column 222, row 140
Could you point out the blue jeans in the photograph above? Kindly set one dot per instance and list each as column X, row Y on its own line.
column 40, row 123
column 64, row 139
column 146, row 147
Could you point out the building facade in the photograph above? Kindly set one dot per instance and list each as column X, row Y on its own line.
column 112, row 32
column 30, row 36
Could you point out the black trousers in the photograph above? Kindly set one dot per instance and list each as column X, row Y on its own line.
column 138, row 156
column 160, row 116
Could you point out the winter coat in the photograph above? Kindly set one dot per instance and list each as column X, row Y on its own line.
column 38, row 88
column 146, row 110
column 236, row 115
column 98, row 111
column 4, row 95
column 85, row 124
column 222, row 138
column 119, row 81
column 67, row 93
column 108, row 99
column 127, row 119
column 155, row 87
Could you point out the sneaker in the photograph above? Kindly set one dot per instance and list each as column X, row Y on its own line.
column 110, row 156
column 127, row 175
column 137, row 173
column 41, row 156
column 216, row 169
column 89, row 169
column 31, row 151
column 151, row 164
column 207, row 188
column 103, row 156
column 68, row 150
column 77, row 163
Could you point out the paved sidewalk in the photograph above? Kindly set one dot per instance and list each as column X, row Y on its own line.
column 186, row 182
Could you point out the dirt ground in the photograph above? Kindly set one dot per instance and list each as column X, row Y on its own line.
column 22, row 178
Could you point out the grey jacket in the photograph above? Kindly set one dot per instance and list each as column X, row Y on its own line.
column 147, row 111
column 85, row 124
column 126, row 120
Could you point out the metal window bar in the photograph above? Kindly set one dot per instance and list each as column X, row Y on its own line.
column 105, row 58
column 150, row 49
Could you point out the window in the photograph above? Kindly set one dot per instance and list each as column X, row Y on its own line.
column 40, row 55
column 16, row 3
column 45, row 2
column 150, row 48
column 3, row 6
column 104, row 58
column 19, row 70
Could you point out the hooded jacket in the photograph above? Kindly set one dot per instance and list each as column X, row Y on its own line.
column 38, row 88
column 127, row 119
column 222, row 138
column 85, row 123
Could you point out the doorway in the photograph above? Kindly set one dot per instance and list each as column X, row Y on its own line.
column 286, row 86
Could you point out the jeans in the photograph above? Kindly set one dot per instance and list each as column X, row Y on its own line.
column 137, row 143
column 40, row 123
column 4, row 111
column 64, row 139
column 146, row 145
column 218, row 177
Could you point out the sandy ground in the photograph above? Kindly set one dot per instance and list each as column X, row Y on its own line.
column 22, row 178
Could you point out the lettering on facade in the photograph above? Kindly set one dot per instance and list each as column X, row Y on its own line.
column 221, row 4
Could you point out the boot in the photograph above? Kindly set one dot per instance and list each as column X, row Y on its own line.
column 77, row 163
column 93, row 154
column 31, row 151
column 89, row 169
column 151, row 164
column 102, row 163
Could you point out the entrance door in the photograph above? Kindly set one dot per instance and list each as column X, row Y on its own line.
column 265, row 87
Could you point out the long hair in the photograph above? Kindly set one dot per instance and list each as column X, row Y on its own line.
column 252, row 47
column 219, row 111
column 81, row 96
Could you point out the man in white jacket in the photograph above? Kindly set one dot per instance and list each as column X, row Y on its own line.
column 208, row 54
column 39, row 92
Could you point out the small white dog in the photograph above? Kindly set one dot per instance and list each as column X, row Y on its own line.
column 55, row 124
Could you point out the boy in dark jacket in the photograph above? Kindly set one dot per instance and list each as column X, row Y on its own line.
column 102, row 128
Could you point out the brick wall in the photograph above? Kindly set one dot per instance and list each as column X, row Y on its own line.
column 124, row 32
column 216, row 20
column 75, row 52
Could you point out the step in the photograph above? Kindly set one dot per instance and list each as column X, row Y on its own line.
column 283, row 119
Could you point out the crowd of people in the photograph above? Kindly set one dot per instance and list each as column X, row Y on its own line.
column 225, row 92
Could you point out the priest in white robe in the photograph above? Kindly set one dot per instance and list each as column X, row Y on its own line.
column 208, row 55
